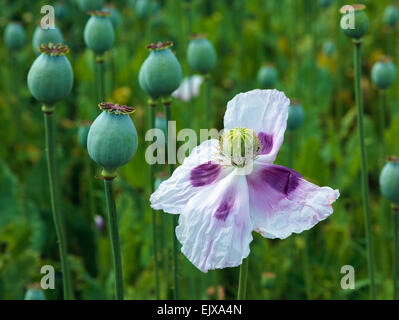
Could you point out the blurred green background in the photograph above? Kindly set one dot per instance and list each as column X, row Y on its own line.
column 289, row 34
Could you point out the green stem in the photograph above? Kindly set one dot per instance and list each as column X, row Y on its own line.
column 382, row 124
column 90, row 191
column 174, row 219
column 242, row 282
column 154, row 214
column 395, row 212
column 96, row 81
column 207, row 102
column 364, row 170
column 114, row 237
column 101, row 78
column 58, row 219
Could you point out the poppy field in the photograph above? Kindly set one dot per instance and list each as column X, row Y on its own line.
column 199, row 149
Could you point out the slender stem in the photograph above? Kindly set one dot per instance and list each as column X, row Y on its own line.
column 382, row 123
column 90, row 191
column 174, row 220
column 154, row 214
column 395, row 212
column 207, row 102
column 114, row 237
column 96, row 82
column 101, row 78
column 58, row 219
column 242, row 282
column 364, row 170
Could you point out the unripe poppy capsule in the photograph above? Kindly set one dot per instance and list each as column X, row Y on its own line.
column 99, row 33
column 62, row 11
column 45, row 36
column 90, row 5
column 144, row 7
column 329, row 47
column 112, row 141
column 267, row 77
column 50, row 77
column 296, row 116
column 389, row 180
column 34, row 292
column 354, row 13
column 161, row 73
column 383, row 73
column 325, row 3
column 14, row 36
column 391, row 16
column 201, row 54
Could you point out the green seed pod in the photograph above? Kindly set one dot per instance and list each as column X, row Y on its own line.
column 329, row 48
column 391, row 16
column 112, row 140
column 62, row 11
column 90, row 5
column 296, row 116
column 325, row 3
column 14, row 36
column 50, row 77
column 267, row 77
column 201, row 55
column 45, row 36
column 383, row 73
column 142, row 72
column 389, row 180
column 83, row 132
column 99, row 33
column 161, row 73
column 361, row 21
column 142, row 8
column 115, row 16
column 34, row 293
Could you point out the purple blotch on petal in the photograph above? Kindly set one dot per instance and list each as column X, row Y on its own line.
column 266, row 141
column 282, row 179
column 204, row 174
column 224, row 208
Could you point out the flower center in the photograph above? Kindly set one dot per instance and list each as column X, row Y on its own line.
column 240, row 145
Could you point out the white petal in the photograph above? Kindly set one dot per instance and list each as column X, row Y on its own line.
column 282, row 202
column 215, row 227
column 173, row 194
column 189, row 88
column 265, row 111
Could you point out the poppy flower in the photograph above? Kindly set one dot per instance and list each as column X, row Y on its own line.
column 189, row 88
column 228, row 188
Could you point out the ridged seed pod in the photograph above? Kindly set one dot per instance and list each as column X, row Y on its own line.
column 99, row 34
column 34, row 294
column 112, row 141
column 90, row 5
column 389, row 180
column 50, row 78
column 201, row 55
column 391, row 16
column 329, row 48
column 296, row 116
column 45, row 36
column 361, row 21
column 14, row 36
column 325, row 3
column 161, row 73
column 383, row 73
column 267, row 77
